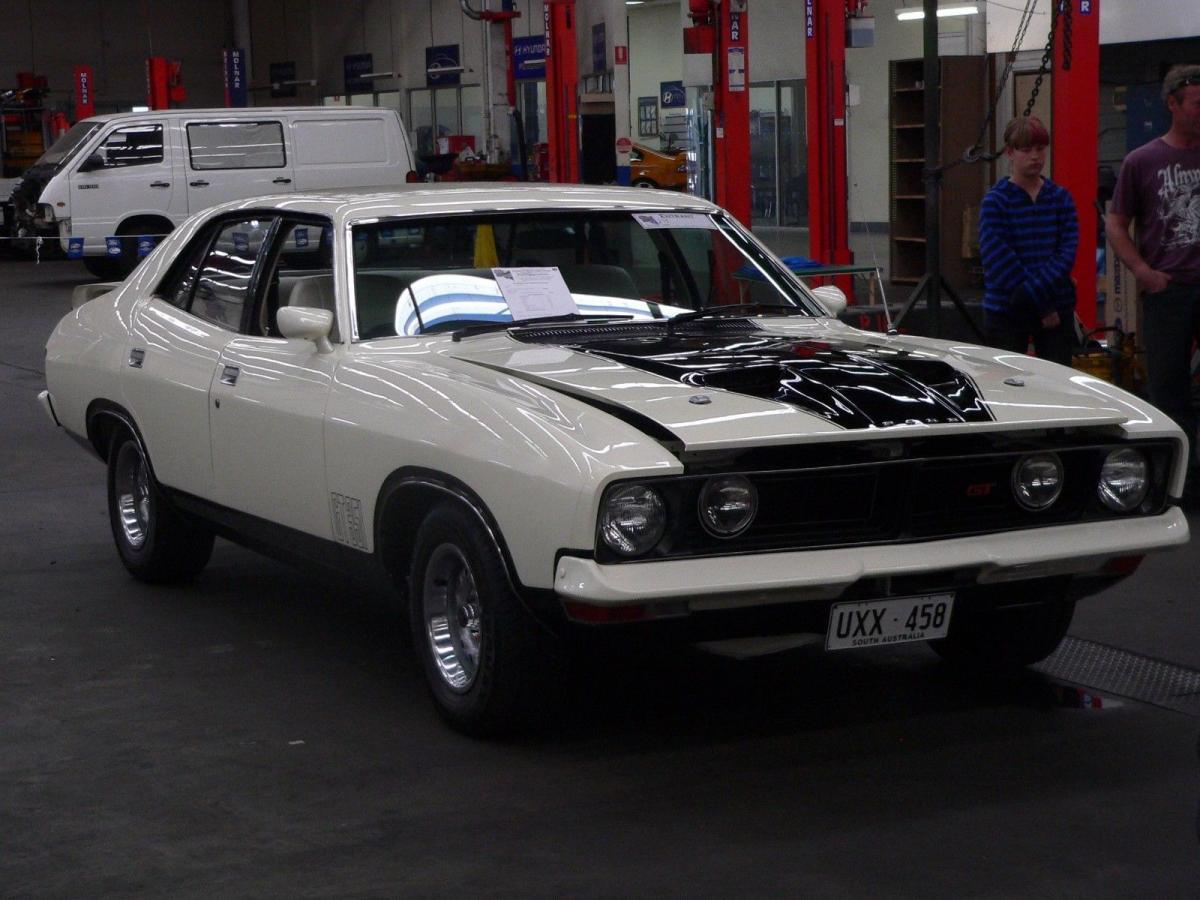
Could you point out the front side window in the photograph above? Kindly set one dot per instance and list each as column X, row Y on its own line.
column 418, row 276
column 225, row 276
column 235, row 145
column 137, row 145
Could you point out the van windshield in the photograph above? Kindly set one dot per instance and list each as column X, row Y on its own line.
column 64, row 148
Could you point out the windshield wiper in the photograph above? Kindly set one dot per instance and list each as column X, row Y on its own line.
column 735, row 310
column 576, row 318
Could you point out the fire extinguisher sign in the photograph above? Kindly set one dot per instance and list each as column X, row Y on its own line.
column 809, row 28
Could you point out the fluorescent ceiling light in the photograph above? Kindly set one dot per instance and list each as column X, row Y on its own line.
column 905, row 15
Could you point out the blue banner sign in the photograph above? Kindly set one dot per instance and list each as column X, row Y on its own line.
column 236, row 93
column 75, row 248
column 529, row 57
column 353, row 67
column 671, row 94
column 112, row 246
column 145, row 244
column 599, row 48
column 301, row 236
column 442, row 65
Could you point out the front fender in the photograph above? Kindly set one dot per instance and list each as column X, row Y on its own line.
column 537, row 459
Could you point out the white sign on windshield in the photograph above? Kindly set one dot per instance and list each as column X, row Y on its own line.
column 674, row 220
column 534, row 292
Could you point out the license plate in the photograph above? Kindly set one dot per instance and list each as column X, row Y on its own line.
column 896, row 620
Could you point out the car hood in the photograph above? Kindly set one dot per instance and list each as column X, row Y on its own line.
column 733, row 383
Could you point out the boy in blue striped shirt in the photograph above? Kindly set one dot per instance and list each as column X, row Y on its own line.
column 1028, row 232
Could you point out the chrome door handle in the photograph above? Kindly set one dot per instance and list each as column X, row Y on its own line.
column 198, row 183
column 160, row 184
column 282, row 181
column 229, row 375
column 137, row 356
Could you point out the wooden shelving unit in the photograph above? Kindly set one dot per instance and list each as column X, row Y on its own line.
column 962, row 108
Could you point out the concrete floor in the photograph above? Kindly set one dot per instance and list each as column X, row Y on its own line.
column 264, row 732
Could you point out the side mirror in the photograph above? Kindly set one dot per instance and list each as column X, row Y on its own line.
column 307, row 323
column 831, row 298
column 92, row 163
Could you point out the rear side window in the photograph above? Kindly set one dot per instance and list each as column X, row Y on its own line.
column 137, row 145
column 236, row 145
column 339, row 141
column 224, row 279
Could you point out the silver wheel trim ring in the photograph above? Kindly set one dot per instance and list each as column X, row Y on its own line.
column 451, row 609
column 134, row 506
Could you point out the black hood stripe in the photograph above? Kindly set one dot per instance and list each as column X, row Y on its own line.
column 853, row 384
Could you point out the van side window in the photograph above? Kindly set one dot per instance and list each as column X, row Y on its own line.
column 138, row 145
column 235, row 145
column 225, row 277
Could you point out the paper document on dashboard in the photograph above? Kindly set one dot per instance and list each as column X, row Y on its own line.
column 534, row 292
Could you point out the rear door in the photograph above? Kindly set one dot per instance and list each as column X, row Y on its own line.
column 234, row 159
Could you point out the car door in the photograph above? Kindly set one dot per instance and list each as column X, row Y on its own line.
column 235, row 159
column 176, row 339
column 127, row 174
column 269, row 398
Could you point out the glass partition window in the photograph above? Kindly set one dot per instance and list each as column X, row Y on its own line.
column 236, row 145
column 424, row 276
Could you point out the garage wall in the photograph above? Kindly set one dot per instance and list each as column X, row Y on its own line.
column 115, row 37
column 655, row 56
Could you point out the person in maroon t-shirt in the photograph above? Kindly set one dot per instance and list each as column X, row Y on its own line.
column 1158, row 189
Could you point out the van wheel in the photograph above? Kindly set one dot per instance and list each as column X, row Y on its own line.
column 644, row 183
column 155, row 541
column 490, row 667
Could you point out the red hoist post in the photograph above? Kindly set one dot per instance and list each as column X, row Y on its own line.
column 164, row 83
column 825, row 58
column 731, row 109
column 1074, row 124
column 562, row 101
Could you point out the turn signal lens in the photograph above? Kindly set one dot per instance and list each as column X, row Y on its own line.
column 1037, row 480
column 633, row 519
column 728, row 504
column 1124, row 480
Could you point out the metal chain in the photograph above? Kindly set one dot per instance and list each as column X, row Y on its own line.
column 1063, row 6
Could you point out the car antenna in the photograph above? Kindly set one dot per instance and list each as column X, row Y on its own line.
column 416, row 308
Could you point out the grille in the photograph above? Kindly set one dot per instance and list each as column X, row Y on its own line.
column 894, row 501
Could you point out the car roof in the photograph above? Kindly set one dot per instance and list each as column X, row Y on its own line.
column 450, row 198
column 246, row 112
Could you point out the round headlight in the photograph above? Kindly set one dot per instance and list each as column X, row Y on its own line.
column 1124, row 480
column 633, row 519
column 728, row 504
column 1037, row 480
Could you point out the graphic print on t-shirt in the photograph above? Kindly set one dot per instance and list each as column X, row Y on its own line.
column 1179, row 205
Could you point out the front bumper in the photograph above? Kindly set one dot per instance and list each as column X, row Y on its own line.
column 726, row 582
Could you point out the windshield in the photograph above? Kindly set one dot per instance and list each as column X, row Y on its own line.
column 419, row 276
column 62, row 149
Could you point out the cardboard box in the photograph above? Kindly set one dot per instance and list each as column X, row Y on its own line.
column 1122, row 305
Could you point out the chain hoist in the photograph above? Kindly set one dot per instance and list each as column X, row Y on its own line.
column 1063, row 8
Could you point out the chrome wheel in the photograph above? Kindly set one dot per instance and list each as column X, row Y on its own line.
column 132, row 487
column 452, row 616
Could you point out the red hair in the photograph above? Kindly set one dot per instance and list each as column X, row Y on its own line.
column 1024, row 132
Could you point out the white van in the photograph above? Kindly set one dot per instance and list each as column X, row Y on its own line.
column 141, row 174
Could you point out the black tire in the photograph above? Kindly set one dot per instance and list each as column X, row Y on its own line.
column 644, row 183
column 495, row 669
column 156, row 542
column 1002, row 639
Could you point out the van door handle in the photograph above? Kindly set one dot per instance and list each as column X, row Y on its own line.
column 198, row 183
column 229, row 375
column 160, row 184
column 282, row 181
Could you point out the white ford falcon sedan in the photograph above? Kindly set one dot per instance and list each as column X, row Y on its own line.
column 544, row 413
